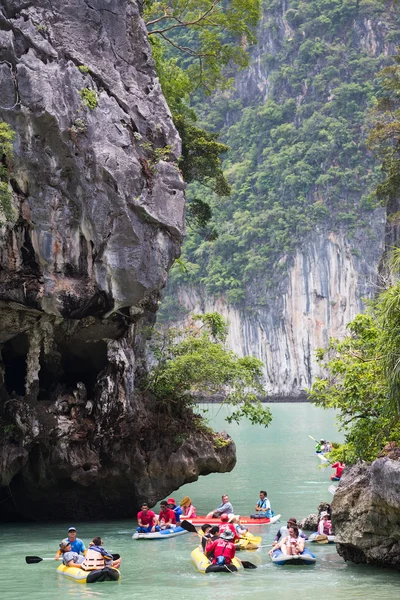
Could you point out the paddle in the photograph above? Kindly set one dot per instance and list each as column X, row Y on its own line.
column 31, row 560
column 192, row 529
column 310, row 436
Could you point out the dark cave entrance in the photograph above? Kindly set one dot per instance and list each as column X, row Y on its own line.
column 83, row 362
column 14, row 355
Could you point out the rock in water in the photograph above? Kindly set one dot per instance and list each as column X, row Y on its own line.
column 98, row 219
column 366, row 513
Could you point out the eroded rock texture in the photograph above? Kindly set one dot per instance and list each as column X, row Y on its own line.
column 366, row 513
column 99, row 219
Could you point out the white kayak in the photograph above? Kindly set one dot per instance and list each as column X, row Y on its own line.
column 321, row 457
column 159, row 535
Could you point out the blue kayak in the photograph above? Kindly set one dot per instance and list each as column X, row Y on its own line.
column 305, row 558
column 160, row 535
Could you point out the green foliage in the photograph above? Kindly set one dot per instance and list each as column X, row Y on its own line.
column 89, row 98
column 84, row 69
column 299, row 159
column 7, row 136
column 193, row 363
column 211, row 34
column 363, row 380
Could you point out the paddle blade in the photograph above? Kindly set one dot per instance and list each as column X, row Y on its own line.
column 188, row 526
column 248, row 565
column 116, row 556
column 31, row 560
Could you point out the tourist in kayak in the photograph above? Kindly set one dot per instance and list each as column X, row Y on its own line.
column 263, row 507
column 97, row 557
column 188, row 510
column 319, row 447
column 177, row 509
column 325, row 524
column 70, row 558
column 226, row 525
column 146, row 520
column 284, row 530
column 339, row 466
column 77, row 544
column 240, row 529
column 166, row 518
column 224, row 508
column 290, row 544
column 222, row 550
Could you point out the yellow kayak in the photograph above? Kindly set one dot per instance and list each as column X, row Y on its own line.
column 204, row 565
column 248, row 542
column 106, row 574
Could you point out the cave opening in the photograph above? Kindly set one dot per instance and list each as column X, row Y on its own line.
column 14, row 355
column 82, row 362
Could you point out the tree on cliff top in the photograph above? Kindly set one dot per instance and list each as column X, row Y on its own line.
column 192, row 364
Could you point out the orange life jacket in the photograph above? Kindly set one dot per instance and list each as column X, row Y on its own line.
column 93, row 561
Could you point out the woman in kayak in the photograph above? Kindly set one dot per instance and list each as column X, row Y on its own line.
column 290, row 544
column 188, row 510
column 284, row 530
column 325, row 525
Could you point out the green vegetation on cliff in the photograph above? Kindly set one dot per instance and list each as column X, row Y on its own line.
column 297, row 126
column 192, row 363
column 6, row 138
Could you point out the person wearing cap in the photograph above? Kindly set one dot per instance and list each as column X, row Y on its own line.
column 77, row 544
column 227, row 525
column 284, row 530
column 325, row 525
column 177, row 509
column 70, row 558
column 188, row 510
column 224, row 508
column 222, row 550
column 166, row 518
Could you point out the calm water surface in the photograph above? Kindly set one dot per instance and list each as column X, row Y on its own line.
column 279, row 459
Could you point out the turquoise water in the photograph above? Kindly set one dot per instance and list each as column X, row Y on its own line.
column 279, row 459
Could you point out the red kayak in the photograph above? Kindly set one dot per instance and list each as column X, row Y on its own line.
column 198, row 521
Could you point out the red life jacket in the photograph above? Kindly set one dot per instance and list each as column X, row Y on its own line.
column 224, row 548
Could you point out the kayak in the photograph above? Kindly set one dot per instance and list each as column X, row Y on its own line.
column 204, row 565
column 106, row 574
column 248, row 521
column 305, row 558
column 160, row 535
column 248, row 542
column 321, row 538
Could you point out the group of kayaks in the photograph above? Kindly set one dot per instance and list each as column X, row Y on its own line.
column 246, row 542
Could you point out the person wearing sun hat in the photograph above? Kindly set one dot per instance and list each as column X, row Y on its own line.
column 188, row 510
column 284, row 530
column 177, row 509
column 325, row 524
column 77, row 544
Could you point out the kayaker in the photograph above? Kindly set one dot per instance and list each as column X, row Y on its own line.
column 77, row 544
column 222, row 550
column 290, row 544
column 284, row 530
column 224, row 508
column 240, row 529
column 177, row 509
column 146, row 520
column 97, row 557
column 319, row 447
column 166, row 518
column 227, row 526
column 188, row 510
column 339, row 466
column 325, row 525
column 263, row 507
column 69, row 557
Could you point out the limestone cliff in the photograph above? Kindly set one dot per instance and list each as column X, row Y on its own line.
column 366, row 513
column 98, row 205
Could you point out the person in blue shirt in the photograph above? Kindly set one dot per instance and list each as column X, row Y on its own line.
column 177, row 509
column 76, row 544
column 263, row 506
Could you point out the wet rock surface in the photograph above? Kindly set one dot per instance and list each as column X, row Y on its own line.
column 98, row 206
column 366, row 513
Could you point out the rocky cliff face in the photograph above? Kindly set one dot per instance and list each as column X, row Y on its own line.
column 98, row 220
column 366, row 513
column 324, row 290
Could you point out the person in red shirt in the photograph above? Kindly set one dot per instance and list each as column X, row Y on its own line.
column 339, row 466
column 223, row 549
column 166, row 518
column 146, row 520
column 227, row 526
